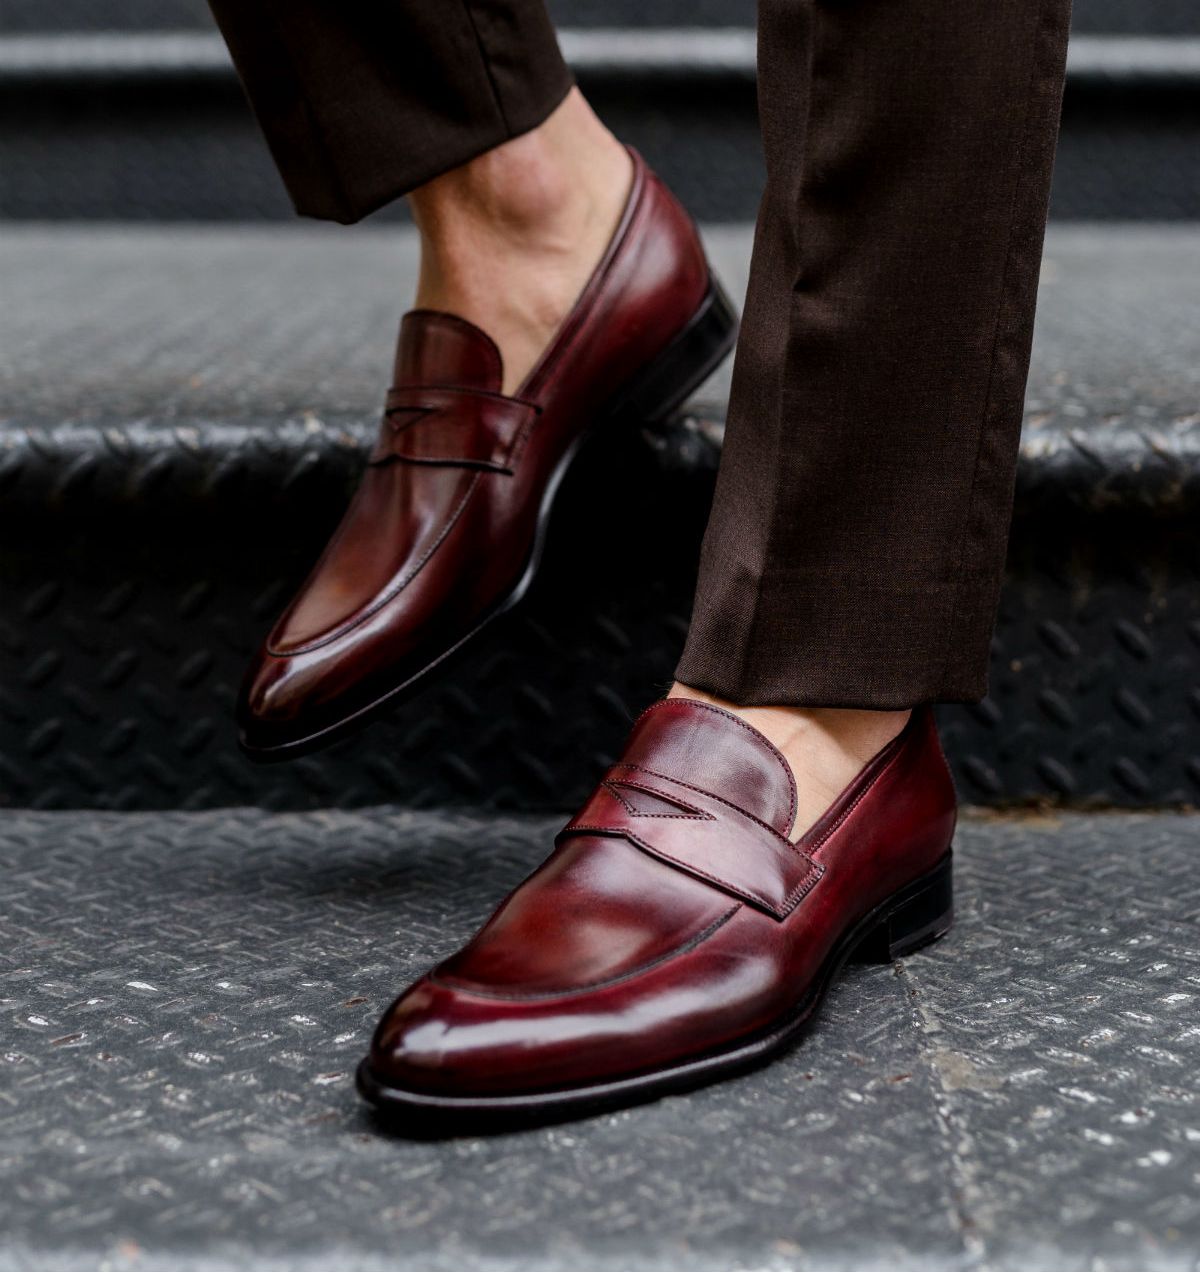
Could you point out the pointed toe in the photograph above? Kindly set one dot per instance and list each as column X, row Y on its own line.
column 280, row 704
column 269, row 695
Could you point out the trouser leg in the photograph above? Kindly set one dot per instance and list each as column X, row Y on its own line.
column 856, row 543
column 362, row 101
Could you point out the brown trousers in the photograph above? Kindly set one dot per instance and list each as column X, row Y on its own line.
column 856, row 543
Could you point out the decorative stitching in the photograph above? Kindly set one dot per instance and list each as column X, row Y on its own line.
column 464, row 390
column 695, row 814
column 575, row 319
column 775, row 752
column 687, row 867
column 719, row 798
column 686, row 948
column 445, row 461
column 868, row 786
column 804, row 887
column 418, row 413
column 423, row 410
column 813, row 870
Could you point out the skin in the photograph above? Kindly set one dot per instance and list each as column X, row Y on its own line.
column 508, row 242
column 826, row 747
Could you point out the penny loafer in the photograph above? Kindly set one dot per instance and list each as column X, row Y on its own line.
column 446, row 530
column 675, row 935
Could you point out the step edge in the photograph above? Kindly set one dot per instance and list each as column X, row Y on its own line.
column 64, row 59
column 1105, row 467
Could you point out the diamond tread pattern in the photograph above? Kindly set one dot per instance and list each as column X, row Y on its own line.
column 183, row 998
column 161, row 501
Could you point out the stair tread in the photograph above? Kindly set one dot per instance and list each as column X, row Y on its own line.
column 186, row 409
column 113, row 325
column 186, row 996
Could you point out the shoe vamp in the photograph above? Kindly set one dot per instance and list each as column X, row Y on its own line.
column 395, row 532
column 599, row 910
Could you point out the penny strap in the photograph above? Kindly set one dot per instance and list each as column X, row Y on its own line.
column 461, row 427
column 699, row 833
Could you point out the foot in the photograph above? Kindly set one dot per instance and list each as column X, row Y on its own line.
column 445, row 531
column 509, row 240
column 675, row 935
column 825, row 748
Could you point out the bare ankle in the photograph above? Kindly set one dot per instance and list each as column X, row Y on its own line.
column 532, row 188
column 509, row 239
column 826, row 747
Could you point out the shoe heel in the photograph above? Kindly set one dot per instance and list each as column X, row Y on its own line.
column 684, row 364
column 917, row 917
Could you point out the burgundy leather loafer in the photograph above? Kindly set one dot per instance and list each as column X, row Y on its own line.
column 675, row 935
column 446, row 529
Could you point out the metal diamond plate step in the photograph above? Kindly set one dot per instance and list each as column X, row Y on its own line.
column 183, row 998
column 185, row 411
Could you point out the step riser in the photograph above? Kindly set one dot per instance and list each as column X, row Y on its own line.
column 168, row 474
column 122, row 647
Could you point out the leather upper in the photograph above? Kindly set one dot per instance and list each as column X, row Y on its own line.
column 442, row 526
column 674, row 916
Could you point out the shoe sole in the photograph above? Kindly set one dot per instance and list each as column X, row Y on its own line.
column 658, row 389
column 912, row 918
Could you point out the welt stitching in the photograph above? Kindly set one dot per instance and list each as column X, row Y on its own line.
column 686, row 948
